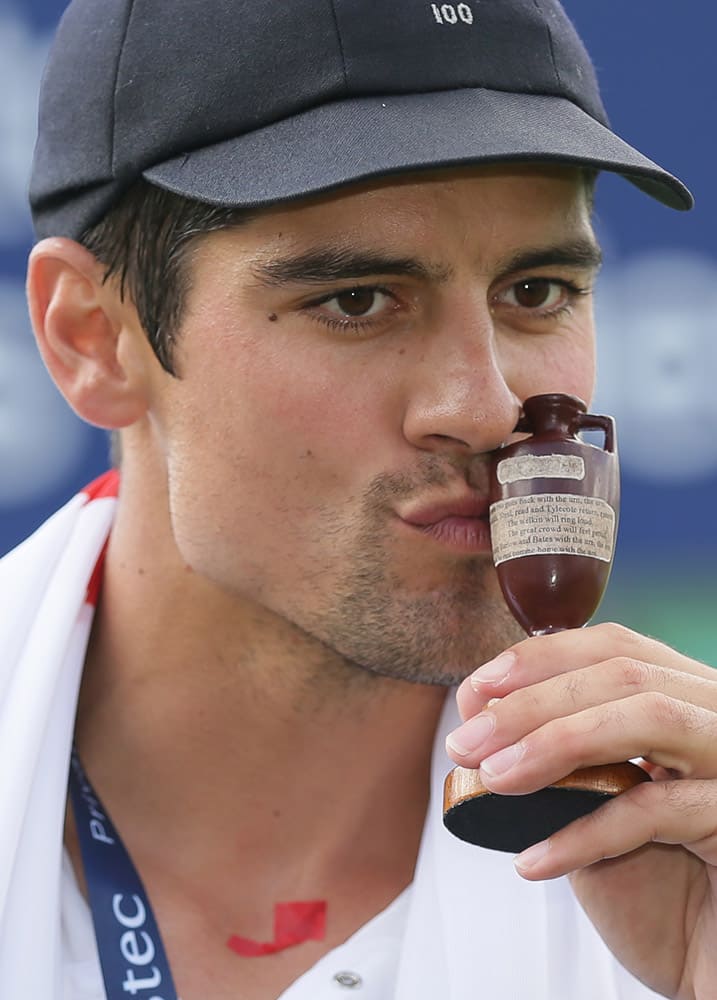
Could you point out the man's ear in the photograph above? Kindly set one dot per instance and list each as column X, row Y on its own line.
column 90, row 341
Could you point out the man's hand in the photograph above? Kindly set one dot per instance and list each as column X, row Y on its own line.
column 644, row 865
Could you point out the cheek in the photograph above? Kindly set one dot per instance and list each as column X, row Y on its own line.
column 265, row 445
column 245, row 401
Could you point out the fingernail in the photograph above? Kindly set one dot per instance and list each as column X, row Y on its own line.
column 530, row 857
column 471, row 734
column 499, row 763
column 493, row 671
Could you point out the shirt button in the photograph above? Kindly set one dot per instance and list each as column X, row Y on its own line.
column 348, row 979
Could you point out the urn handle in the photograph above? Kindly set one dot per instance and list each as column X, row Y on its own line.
column 555, row 415
column 596, row 422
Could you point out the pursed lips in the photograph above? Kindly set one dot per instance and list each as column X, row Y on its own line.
column 460, row 523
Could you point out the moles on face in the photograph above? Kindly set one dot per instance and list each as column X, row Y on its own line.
column 345, row 366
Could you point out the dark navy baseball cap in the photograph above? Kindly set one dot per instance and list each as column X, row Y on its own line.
column 255, row 102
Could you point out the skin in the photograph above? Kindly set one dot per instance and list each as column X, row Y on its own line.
column 280, row 608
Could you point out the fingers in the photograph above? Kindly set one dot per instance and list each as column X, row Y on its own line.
column 676, row 736
column 540, row 657
column 552, row 704
column 664, row 812
column 615, row 681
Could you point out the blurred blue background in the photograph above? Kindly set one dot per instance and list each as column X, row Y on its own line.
column 656, row 308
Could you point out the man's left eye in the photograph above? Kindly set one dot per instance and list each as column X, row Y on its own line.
column 356, row 303
column 535, row 293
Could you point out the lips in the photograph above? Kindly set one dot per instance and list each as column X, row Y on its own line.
column 460, row 523
column 464, row 507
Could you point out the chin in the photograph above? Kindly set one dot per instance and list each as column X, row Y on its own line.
column 433, row 657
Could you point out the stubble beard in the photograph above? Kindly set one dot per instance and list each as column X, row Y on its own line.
column 390, row 627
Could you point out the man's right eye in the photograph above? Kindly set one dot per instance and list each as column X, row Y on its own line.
column 356, row 303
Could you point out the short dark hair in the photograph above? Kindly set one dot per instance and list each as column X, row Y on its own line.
column 143, row 242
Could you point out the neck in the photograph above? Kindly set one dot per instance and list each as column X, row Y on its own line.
column 217, row 730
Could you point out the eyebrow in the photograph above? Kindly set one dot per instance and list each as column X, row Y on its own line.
column 582, row 254
column 337, row 263
column 340, row 263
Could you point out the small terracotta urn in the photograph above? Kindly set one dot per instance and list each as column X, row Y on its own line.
column 554, row 513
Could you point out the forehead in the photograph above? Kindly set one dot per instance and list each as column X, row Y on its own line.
column 488, row 207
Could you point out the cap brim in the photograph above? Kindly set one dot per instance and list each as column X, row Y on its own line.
column 348, row 141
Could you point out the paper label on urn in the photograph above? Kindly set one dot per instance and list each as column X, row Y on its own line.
column 552, row 524
column 519, row 467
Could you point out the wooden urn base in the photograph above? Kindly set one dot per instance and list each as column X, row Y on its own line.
column 513, row 822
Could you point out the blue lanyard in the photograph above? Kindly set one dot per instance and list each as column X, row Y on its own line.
column 132, row 956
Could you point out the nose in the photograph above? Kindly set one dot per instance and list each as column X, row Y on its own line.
column 461, row 400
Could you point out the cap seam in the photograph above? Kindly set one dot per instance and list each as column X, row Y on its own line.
column 130, row 11
column 551, row 46
column 335, row 18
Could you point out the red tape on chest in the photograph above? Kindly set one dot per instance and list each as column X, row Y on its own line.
column 294, row 923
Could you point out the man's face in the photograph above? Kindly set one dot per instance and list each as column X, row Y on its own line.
column 346, row 366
